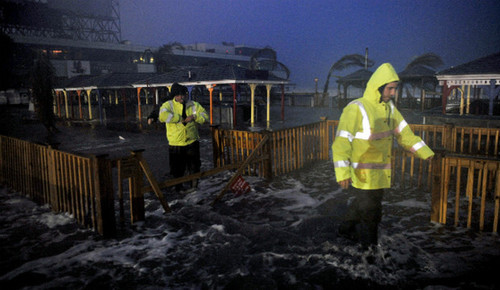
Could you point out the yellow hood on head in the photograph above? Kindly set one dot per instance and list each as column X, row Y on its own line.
column 383, row 75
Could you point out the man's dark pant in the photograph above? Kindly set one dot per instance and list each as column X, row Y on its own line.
column 363, row 215
column 184, row 157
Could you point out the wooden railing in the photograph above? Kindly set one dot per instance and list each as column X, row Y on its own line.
column 294, row 148
column 474, row 140
column 469, row 192
column 81, row 186
column 289, row 149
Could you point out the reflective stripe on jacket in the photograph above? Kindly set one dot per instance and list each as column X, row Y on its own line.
column 363, row 145
column 179, row 134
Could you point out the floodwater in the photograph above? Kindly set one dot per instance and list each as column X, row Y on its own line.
column 281, row 235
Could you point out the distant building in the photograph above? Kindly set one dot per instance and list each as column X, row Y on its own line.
column 86, row 40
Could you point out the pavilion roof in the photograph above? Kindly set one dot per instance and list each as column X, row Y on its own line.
column 357, row 78
column 417, row 72
column 477, row 72
column 104, row 81
column 209, row 75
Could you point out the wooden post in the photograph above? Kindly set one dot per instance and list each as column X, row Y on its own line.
column 53, row 188
column 216, row 145
column 137, row 212
column 448, row 137
column 497, row 201
column 436, row 199
column 127, row 168
column 268, row 161
column 106, row 224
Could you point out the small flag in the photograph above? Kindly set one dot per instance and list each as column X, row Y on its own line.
column 240, row 186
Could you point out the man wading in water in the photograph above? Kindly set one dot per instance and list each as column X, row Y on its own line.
column 362, row 152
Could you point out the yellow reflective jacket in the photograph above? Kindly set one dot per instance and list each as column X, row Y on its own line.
column 179, row 134
column 363, row 145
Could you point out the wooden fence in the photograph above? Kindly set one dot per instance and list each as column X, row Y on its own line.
column 294, row 148
column 469, row 192
column 289, row 149
column 81, row 186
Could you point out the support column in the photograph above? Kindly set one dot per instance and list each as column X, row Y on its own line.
column 462, row 97
column 467, row 106
column 79, row 93
column 234, row 87
column 71, row 105
column 422, row 101
column 282, row 102
column 252, row 104
column 66, row 103
column 99, row 101
column 89, row 100
column 210, row 89
column 446, row 92
column 139, row 103
column 59, row 103
column 494, row 90
column 190, row 89
column 268, row 104
column 220, row 106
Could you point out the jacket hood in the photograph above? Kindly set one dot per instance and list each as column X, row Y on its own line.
column 383, row 75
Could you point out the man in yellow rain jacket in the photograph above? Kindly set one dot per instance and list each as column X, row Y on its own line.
column 181, row 118
column 362, row 152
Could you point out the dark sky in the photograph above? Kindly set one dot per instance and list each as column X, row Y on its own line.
column 310, row 35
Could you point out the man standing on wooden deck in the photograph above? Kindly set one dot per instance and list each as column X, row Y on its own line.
column 362, row 152
column 181, row 118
